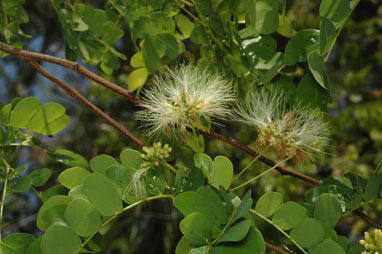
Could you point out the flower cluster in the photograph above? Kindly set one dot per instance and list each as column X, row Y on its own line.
column 151, row 158
column 373, row 242
column 297, row 133
column 155, row 154
column 184, row 96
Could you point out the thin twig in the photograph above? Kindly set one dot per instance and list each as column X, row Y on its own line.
column 28, row 55
column 275, row 248
column 70, row 91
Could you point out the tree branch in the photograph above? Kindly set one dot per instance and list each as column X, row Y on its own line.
column 28, row 55
column 73, row 93
column 275, row 248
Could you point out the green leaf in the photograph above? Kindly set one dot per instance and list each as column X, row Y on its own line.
column 285, row 27
column 308, row 233
column 199, row 35
column 131, row 159
column 22, row 184
column 54, row 191
column 137, row 78
column 102, row 193
column 278, row 64
column 265, row 16
column 316, row 66
column 199, row 250
column 82, row 217
column 34, row 247
column 374, row 184
column 68, row 158
column 311, row 94
column 77, row 192
column 184, row 24
column 73, row 177
column 243, row 209
column 40, row 176
column 60, row 240
column 205, row 201
column 222, row 172
column 24, row 110
column 334, row 10
column 289, row 215
column 252, row 243
column 204, row 162
column 196, row 228
column 119, row 176
column 236, row 232
column 156, row 183
column 137, row 60
column 49, row 119
column 16, row 243
column 301, row 45
column 328, row 35
column 56, row 203
column 150, row 54
column 285, row 85
column 330, row 233
column 215, row 202
column 167, row 44
column 4, row 114
column 268, row 203
column 204, row 7
column 327, row 209
column 101, row 162
column 327, row 246
column 183, row 246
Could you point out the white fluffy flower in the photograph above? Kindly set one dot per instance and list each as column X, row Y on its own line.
column 184, row 95
column 297, row 132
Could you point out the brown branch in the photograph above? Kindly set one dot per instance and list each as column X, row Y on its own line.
column 366, row 218
column 275, row 248
column 70, row 91
column 30, row 56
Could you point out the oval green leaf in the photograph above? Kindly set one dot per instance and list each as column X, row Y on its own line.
column 16, row 243
column 101, row 162
column 56, row 203
column 131, row 159
column 289, row 215
column 268, row 203
column 82, row 217
column 222, row 172
column 60, row 240
column 102, row 193
column 301, row 45
column 137, row 61
column 137, row 78
column 308, row 233
column 40, row 176
column 73, row 177
column 68, row 158
column 327, row 209
column 316, row 66
column 196, row 228
column 328, row 247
